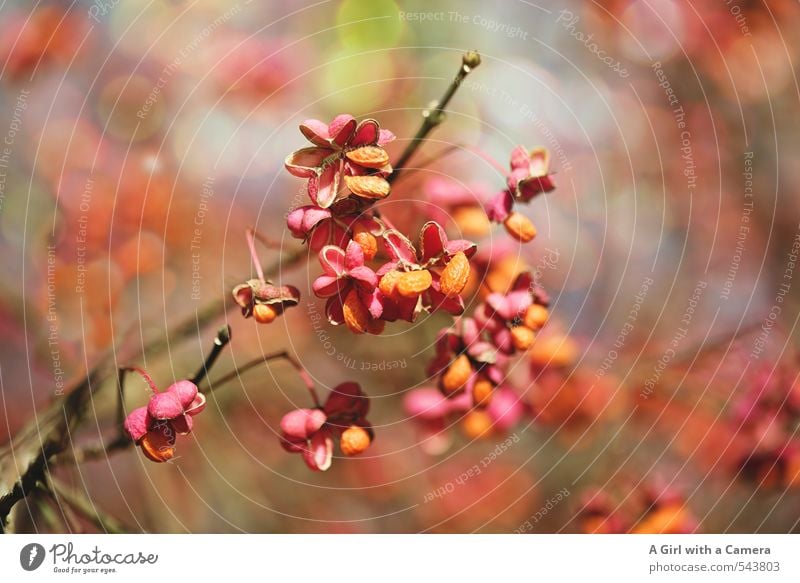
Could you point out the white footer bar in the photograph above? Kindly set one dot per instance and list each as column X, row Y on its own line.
column 355, row 558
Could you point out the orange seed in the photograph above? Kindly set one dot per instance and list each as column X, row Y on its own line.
column 413, row 283
column 536, row 316
column 482, row 392
column 354, row 440
column 356, row 316
column 477, row 424
column 367, row 242
column 520, row 227
column 264, row 314
column 522, row 337
column 456, row 375
column 455, row 275
column 369, row 156
column 155, row 452
column 388, row 283
column 368, row 186
column 472, row 221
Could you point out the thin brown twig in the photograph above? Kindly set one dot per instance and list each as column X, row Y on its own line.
column 282, row 355
column 121, row 395
column 221, row 340
column 431, row 118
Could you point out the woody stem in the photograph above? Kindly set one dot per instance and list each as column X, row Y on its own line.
column 121, row 395
column 221, row 340
column 433, row 117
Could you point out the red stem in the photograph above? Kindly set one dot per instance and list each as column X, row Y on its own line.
column 148, row 379
column 251, row 244
column 267, row 242
column 497, row 166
